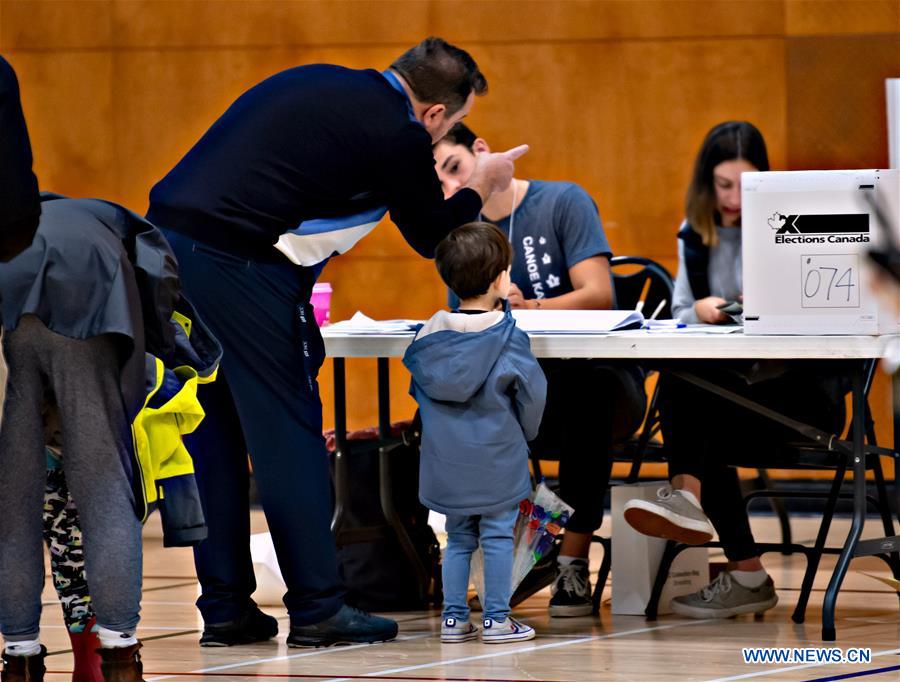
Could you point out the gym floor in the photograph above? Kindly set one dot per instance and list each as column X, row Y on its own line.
column 571, row 650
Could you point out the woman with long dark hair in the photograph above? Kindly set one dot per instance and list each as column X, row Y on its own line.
column 705, row 433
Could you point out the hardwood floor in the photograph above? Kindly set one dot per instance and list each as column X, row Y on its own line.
column 566, row 650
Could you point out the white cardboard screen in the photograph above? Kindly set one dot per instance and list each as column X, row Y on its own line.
column 805, row 235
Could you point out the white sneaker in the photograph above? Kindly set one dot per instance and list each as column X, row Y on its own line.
column 453, row 630
column 509, row 630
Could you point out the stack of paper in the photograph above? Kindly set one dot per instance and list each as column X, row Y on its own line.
column 362, row 324
column 577, row 321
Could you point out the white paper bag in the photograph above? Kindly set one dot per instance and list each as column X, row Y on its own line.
column 270, row 587
column 636, row 557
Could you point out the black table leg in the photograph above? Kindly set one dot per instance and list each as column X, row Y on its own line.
column 859, row 509
column 386, row 491
column 895, row 390
column 341, row 483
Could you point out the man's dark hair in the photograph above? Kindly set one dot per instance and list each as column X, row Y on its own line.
column 471, row 257
column 462, row 134
column 440, row 73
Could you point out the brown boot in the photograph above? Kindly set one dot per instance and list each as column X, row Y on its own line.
column 122, row 664
column 24, row 668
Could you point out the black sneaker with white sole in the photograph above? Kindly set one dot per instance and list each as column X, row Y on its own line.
column 571, row 591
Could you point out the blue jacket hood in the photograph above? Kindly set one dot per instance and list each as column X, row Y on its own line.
column 481, row 395
column 453, row 353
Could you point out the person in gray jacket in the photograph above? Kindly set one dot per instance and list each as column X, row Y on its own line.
column 481, row 395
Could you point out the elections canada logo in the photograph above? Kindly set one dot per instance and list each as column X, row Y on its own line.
column 823, row 228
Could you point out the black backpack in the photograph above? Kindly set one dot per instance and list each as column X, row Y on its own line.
column 377, row 572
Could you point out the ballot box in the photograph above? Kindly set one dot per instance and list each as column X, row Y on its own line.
column 805, row 237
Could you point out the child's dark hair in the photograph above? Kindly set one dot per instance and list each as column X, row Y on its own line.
column 471, row 257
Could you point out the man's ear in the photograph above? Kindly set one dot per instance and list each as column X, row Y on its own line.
column 433, row 115
column 480, row 145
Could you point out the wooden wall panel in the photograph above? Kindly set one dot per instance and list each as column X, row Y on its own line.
column 564, row 101
column 615, row 95
column 55, row 24
column 839, row 17
column 538, row 21
column 67, row 100
column 674, row 92
column 263, row 23
column 836, row 117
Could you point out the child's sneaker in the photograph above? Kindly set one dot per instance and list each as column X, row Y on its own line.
column 509, row 630
column 453, row 630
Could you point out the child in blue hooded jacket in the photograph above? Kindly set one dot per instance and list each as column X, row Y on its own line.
column 481, row 395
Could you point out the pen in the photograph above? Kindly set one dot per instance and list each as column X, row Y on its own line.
column 664, row 325
column 659, row 308
column 640, row 304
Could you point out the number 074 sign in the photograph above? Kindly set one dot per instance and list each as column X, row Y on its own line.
column 829, row 280
column 804, row 238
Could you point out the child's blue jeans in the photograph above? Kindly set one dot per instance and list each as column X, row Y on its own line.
column 495, row 533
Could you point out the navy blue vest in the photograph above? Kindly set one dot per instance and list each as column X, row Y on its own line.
column 696, row 261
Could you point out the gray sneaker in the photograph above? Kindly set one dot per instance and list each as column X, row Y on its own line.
column 669, row 516
column 725, row 597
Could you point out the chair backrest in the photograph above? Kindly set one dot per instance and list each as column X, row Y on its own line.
column 630, row 273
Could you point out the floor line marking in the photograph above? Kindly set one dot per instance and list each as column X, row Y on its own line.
column 305, row 654
column 141, row 628
column 764, row 673
column 314, row 676
column 861, row 673
column 526, row 649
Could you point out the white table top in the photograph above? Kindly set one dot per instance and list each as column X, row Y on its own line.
column 639, row 344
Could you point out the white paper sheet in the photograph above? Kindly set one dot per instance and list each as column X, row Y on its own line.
column 363, row 324
column 576, row 321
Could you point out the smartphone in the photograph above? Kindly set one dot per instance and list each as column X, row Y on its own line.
column 731, row 308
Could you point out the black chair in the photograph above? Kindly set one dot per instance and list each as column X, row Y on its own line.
column 634, row 425
column 810, row 456
column 630, row 276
